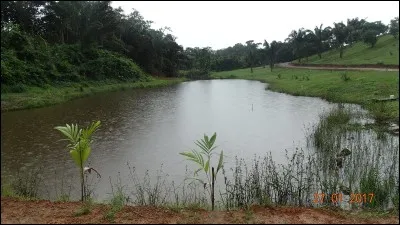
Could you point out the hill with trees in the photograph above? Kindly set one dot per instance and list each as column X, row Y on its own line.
column 384, row 52
column 46, row 42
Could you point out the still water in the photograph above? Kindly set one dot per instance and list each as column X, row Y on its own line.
column 149, row 127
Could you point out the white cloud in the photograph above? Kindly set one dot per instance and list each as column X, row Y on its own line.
column 223, row 24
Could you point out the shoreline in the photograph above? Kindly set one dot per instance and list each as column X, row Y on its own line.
column 36, row 97
column 361, row 89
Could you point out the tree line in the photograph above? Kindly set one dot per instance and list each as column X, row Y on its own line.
column 299, row 45
column 47, row 41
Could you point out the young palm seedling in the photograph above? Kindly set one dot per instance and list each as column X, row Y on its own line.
column 206, row 147
column 80, row 140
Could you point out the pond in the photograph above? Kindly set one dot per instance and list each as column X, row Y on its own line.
column 147, row 128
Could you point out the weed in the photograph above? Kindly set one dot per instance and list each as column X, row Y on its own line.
column 380, row 62
column 26, row 185
column 344, row 76
column 249, row 215
column 117, row 202
column 64, row 198
column 85, row 209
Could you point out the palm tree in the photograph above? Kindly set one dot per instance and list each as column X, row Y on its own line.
column 340, row 33
column 297, row 38
column 252, row 48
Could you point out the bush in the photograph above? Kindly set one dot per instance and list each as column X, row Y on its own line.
column 196, row 74
column 27, row 59
column 344, row 76
column 113, row 66
column 16, row 88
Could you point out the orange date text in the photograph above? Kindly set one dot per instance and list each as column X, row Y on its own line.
column 338, row 198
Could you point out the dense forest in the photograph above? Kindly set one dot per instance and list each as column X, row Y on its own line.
column 56, row 41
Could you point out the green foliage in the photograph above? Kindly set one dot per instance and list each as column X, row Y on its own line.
column 206, row 146
column 64, row 198
column 385, row 50
column 80, row 149
column 369, row 37
column 51, row 38
column 195, row 74
column 372, row 183
column 344, row 76
column 370, row 31
column 33, row 63
column 111, row 66
column 340, row 32
column 394, row 27
column 117, row 203
column 16, row 88
column 85, row 209
column 25, row 185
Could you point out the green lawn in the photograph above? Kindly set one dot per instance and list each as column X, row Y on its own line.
column 361, row 88
column 386, row 51
column 34, row 97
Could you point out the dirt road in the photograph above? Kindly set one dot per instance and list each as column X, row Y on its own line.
column 289, row 65
column 17, row 211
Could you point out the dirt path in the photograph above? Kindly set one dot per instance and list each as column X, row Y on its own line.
column 289, row 65
column 16, row 211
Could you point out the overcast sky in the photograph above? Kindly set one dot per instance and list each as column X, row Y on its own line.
column 223, row 24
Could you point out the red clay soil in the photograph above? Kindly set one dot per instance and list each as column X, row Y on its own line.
column 341, row 67
column 17, row 211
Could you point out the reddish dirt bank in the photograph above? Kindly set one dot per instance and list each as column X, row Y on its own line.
column 17, row 211
column 341, row 67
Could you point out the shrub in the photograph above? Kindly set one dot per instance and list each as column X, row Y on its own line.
column 344, row 76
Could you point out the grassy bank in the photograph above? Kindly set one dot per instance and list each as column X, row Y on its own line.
column 337, row 86
column 34, row 97
column 385, row 52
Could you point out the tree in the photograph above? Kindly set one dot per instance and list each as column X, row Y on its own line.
column 266, row 51
column 371, row 31
column 297, row 39
column 354, row 27
column 394, row 27
column 271, row 51
column 321, row 36
column 23, row 13
column 340, row 33
column 310, row 44
column 252, row 49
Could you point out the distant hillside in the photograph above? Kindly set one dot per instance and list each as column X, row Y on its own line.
column 385, row 52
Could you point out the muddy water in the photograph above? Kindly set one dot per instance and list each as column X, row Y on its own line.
column 149, row 127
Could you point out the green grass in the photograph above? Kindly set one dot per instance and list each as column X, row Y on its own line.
column 34, row 97
column 386, row 51
column 361, row 87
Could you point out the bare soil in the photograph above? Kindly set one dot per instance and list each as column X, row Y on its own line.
column 19, row 211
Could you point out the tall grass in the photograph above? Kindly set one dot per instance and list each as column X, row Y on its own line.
column 24, row 185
